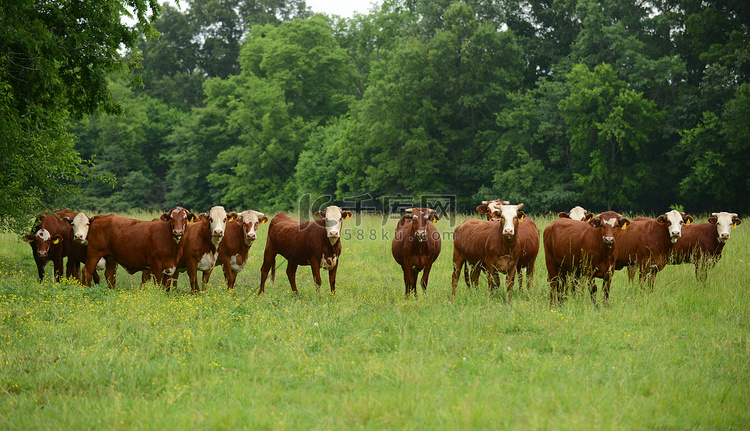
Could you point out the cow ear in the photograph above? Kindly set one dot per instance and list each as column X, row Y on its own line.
column 736, row 222
column 688, row 219
column 662, row 219
column 262, row 220
column 589, row 216
column 346, row 214
column 712, row 220
column 623, row 223
column 29, row 238
column 320, row 214
column 232, row 215
column 203, row 215
column 483, row 209
column 191, row 217
column 165, row 217
column 595, row 222
column 521, row 215
column 57, row 239
column 434, row 217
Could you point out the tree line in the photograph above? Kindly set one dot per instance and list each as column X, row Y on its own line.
column 630, row 105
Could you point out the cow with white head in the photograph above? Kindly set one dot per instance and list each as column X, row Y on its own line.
column 703, row 243
column 334, row 218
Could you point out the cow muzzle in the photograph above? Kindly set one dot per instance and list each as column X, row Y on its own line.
column 333, row 234
column 675, row 236
column 609, row 241
column 723, row 237
column 509, row 233
column 218, row 233
column 42, row 253
column 79, row 239
column 421, row 235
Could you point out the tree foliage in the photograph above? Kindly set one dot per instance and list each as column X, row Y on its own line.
column 629, row 105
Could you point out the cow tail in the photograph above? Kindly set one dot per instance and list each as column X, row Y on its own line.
column 273, row 272
column 466, row 273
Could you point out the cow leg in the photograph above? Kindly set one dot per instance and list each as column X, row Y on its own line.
column 207, row 276
column 291, row 272
column 592, row 289
column 409, row 280
column 315, row 268
column 71, row 268
column 606, row 283
column 145, row 276
column 530, row 275
column 509, row 279
column 332, row 278
column 269, row 262
column 95, row 276
column 458, row 263
column 631, row 273
column 519, row 276
column 476, row 271
column 426, row 277
column 89, row 268
column 58, row 265
column 39, row 266
column 110, row 272
column 193, row 276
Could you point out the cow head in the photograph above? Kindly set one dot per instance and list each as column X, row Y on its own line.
column 608, row 223
column 490, row 208
column 509, row 216
column 674, row 221
column 43, row 241
column 420, row 219
column 724, row 223
column 80, row 223
column 334, row 220
column 179, row 217
column 250, row 221
column 577, row 213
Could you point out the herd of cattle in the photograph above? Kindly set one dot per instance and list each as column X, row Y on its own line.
column 579, row 245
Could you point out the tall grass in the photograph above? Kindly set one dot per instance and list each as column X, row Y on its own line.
column 74, row 357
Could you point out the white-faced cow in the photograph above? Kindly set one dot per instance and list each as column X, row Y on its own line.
column 577, row 213
column 494, row 244
column 77, row 246
column 316, row 243
column 199, row 246
column 528, row 236
column 702, row 243
column 647, row 243
column 579, row 249
column 137, row 245
column 234, row 248
column 416, row 245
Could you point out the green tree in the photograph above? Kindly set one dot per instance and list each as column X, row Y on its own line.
column 609, row 125
column 54, row 60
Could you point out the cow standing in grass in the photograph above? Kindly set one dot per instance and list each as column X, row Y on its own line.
column 494, row 244
column 583, row 250
column 702, row 243
column 528, row 236
column 316, row 243
column 234, row 248
column 646, row 244
column 416, row 245
column 137, row 245
column 577, row 213
column 48, row 242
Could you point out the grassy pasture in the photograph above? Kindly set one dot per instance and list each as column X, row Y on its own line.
column 92, row 358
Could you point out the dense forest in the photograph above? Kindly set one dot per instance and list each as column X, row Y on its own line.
column 632, row 105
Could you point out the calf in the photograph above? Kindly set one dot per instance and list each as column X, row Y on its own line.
column 582, row 249
column 494, row 244
column 234, row 248
column 415, row 246
column 199, row 245
column 646, row 244
column 135, row 244
column 702, row 243
column 316, row 243
column 48, row 242
column 528, row 235
column 577, row 213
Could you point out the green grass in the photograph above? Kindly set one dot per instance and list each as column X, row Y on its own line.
column 131, row 358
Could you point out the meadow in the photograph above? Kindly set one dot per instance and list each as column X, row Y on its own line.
column 74, row 357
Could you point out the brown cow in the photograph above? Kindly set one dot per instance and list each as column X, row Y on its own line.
column 647, row 242
column 316, row 243
column 416, row 245
column 577, row 213
column 528, row 235
column 494, row 244
column 48, row 242
column 582, row 249
column 135, row 244
column 234, row 248
column 702, row 243
column 199, row 246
